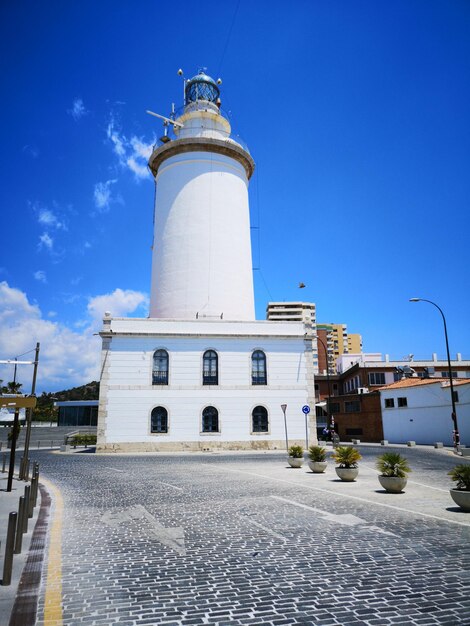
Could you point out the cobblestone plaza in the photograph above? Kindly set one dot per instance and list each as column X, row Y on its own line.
column 241, row 539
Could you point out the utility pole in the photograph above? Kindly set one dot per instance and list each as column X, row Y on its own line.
column 11, row 469
column 29, row 416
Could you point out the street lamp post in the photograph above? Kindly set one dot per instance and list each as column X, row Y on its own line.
column 454, row 412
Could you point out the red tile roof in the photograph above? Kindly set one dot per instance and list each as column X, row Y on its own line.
column 417, row 382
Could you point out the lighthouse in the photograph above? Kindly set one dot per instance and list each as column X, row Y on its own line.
column 201, row 264
column 200, row 372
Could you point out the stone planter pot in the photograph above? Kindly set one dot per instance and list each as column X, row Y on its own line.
column 293, row 462
column 461, row 497
column 393, row 484
column 317, row 467
column 348, row 474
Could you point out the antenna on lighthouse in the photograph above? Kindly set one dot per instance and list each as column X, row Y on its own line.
column 180, row 73
column 165, row 119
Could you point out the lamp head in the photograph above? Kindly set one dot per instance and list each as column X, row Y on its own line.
column 415, row 299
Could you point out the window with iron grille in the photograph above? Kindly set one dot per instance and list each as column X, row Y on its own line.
column 210, row 420
column 159, row 420
column 389, row 403
column 259, row 418
column 210, row 368
column 258, row 368
column 402, row 402
column 160, row 368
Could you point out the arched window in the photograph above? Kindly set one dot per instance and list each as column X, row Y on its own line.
column 258, row 368
column 160, row 368
column 210, row 369
column 259, row 419
column 159, row 420
column 210, row 420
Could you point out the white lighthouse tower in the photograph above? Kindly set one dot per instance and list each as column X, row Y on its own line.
column 201, row 373
column 202, row 265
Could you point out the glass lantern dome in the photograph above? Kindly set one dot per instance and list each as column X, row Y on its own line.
column 201, row 87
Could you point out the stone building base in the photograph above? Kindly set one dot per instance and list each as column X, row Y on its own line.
column 194, row 446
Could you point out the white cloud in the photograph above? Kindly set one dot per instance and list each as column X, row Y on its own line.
column 31, row 150
column 143, row 150
column 45, row 241
column 68, row 357
column 119, row 303
column 40, row 275
column 48, row 218
column 115, row 138
column 78, row 109
column 132, row 153
column 139, row 169
column 102, row 195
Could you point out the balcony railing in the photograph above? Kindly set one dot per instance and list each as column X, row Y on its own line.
column 159, row 378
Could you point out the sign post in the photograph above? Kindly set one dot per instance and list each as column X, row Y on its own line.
column 15, row 403
column 284, row 407
column 306, row 411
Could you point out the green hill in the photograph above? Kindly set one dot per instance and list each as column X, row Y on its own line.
column 45, row 411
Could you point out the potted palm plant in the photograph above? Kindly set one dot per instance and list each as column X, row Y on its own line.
column 317, row 459
column 393, row 469
column 461, row 493
column 347, row 458
column 296, row 456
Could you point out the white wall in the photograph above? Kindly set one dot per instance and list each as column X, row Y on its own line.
column 427, row 418
column 202, row 252
column 128, row 396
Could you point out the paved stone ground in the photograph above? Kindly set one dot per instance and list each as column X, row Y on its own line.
column 241, row 539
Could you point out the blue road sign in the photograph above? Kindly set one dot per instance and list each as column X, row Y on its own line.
column 306, row 409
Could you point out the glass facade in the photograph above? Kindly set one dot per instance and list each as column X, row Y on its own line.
column 78, row 415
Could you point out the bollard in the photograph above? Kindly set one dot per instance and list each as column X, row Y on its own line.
column 51, row 444
column 26, row 471
column 34, row 481
column 4, row 463
column 9, row 546
column 31, row 502
column 19, row 526
column 1, row 445
column 27, row 491
column 39, row 443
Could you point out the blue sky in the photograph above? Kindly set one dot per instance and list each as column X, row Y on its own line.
column 356, row 113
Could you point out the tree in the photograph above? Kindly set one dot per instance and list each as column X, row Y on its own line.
column 12, row 387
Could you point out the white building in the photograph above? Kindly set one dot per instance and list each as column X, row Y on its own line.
column 419, row 409
column 200, row 372
column 296, row 312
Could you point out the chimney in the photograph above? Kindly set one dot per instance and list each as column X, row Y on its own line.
column 434, row 356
